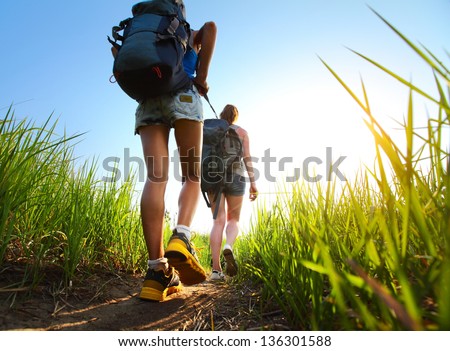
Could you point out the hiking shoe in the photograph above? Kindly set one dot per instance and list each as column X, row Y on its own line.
column 231, row 267
column 181, row 254
column 217, row 275
column 158, row 285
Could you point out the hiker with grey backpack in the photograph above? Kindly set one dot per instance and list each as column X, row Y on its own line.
column 225, row 158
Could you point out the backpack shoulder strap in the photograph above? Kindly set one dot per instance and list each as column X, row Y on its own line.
column 216, row 200
column 115, row 33
column 233, row 132
column 210, row 105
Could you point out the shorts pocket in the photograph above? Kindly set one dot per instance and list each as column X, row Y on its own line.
column 187, row 104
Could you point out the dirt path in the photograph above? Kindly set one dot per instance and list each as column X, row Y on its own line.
column 111, row 303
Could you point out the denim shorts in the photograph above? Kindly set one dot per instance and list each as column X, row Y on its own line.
column 169, row 108
column 234, row 185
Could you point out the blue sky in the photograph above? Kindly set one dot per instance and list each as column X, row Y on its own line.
column 55, row 59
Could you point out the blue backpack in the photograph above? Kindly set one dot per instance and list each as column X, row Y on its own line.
column 149, row 60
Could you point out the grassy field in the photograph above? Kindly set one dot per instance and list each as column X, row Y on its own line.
column 373, row 255
column 54, row 212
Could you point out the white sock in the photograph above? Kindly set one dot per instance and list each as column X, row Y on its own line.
column 160, row 264
column 227, row 246
column 184, row 230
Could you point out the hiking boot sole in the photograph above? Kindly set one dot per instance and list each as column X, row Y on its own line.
column 231, row 265
column 152, row 292
column 189, row 269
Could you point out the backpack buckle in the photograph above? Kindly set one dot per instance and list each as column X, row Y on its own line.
column 173, row 26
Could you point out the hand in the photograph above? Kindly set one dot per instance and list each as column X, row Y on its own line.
column 202, row 85
column 253, row 192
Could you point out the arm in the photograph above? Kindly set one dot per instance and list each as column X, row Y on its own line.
column 204, row 42
column 249, row 166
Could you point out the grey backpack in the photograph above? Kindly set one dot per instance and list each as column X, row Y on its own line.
column 222, row 152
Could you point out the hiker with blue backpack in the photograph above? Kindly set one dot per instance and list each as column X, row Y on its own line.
column 225, row 158
column 148, row 66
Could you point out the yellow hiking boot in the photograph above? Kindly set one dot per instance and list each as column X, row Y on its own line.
column 158, row 284
column 181, row 254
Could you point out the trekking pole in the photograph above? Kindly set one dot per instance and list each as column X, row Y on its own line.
column 212, row 108
column 274, row 193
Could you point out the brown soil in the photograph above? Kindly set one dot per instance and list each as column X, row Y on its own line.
column 111, row 302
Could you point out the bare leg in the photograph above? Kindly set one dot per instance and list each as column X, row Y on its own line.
column 216, row 235
column 234, row 206
column 154, row 143
column 188, row 135
column 180, row 251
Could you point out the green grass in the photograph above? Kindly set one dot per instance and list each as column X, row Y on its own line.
column 371, row 255
column 375, row 254
column 55, row 212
